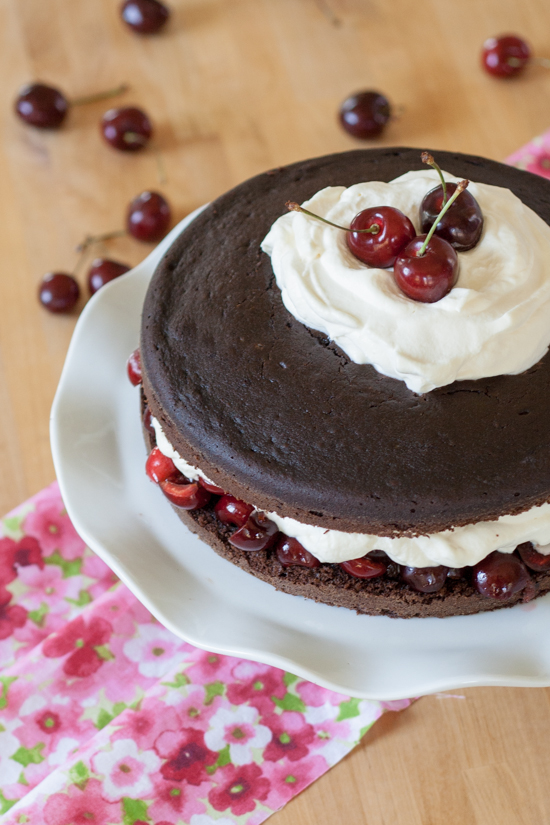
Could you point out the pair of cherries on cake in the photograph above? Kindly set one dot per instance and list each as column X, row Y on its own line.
column 425, row 267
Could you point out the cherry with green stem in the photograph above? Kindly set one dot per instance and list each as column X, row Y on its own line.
column 430, row 161
column 427, row 269
column 365, row 114
column 147, row 219
column 463, row 225
column 46, row 107
column 104, row 270
column 375, row 236
column 460, row 187
column 126, row 128
column 145, row 16
column 58, row 292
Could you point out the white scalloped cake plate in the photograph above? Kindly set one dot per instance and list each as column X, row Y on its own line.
column 99, row 458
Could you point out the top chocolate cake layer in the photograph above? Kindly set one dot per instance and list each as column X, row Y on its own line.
column 279, row 416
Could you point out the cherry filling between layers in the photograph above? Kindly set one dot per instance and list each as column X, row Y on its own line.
column 499, row 577
column 453, row 547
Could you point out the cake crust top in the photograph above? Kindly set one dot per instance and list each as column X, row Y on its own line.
column 278, row 415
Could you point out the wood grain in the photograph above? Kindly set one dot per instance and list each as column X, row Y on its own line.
column 235, row 87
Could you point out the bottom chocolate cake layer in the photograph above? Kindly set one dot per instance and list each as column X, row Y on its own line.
column 329, row 583
column 386, row 595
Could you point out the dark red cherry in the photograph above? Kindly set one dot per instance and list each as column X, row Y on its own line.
column 159, row 467
column 258, row 533
column 46, row 107
column 212, row 488
column 382, row 247
column 425, row 579
column 148, row 421
column 532, row 558
column 148, row 217
column 456, row 572
column 102, row 271
column 58, row 292
column 505, row 56
column 364, row 568
column 461, row 226
column 290, row 552
column 430, row 277
column 42, row 106
column 185, row 494
column 133, row 367
column 127, row 128
column 500, row 576
column 231, row 510
column 365, row 114
column 144, row 16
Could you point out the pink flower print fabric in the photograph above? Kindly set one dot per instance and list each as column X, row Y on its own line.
column 534, row 156
column 107, row 717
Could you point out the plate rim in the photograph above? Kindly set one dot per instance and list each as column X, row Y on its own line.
column 142, row 273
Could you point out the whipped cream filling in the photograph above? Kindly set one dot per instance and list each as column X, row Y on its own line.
column 495, row 321
column 460, row 547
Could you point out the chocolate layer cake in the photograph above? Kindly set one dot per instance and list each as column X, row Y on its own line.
column 275, row 414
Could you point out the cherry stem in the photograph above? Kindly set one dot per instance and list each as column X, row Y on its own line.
column 429, row 159
column 460, row 187
column 107, row 236
column 80, row 260
column 134, row 137
column 81, row 101
column 292, row 206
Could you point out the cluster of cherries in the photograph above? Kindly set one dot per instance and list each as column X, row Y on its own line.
column 128, row 129
column 148, row 217
column 425, row 267
column 366, row 114
column 499, row 576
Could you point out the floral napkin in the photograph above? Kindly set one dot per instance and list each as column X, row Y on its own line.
column 107, row 718
column 534, row 156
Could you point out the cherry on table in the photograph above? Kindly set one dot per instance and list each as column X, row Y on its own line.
column 126, row 128
column 144, row 16
column 365, row 114
column 257, row 533
column 425, row 579
column 133, row 368
column 102, row 271
column 46, row 107
column 58, row 292
column 291, row 553
column 148, row 217
column 505, row 56
column 42, row 106
column 390, row 231
column 501, row 575
column 365, row 567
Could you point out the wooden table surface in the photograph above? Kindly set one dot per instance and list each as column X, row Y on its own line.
column 235, row 87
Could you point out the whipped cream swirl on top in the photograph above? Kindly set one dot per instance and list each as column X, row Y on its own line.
column 495, row 321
